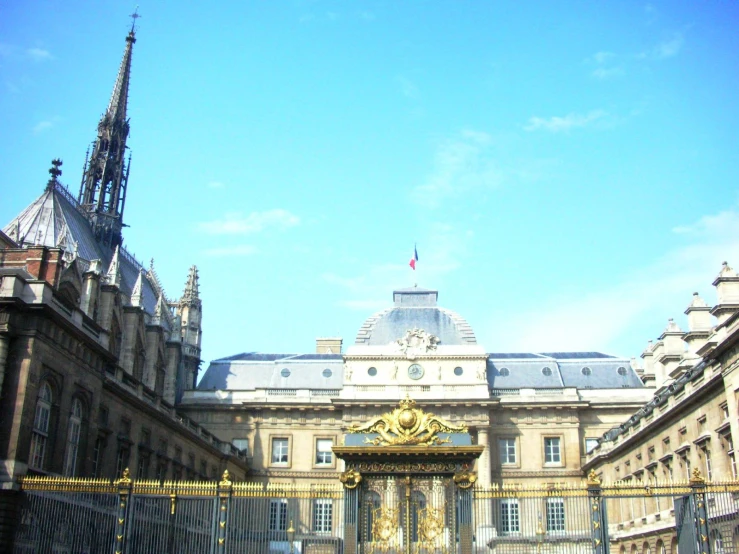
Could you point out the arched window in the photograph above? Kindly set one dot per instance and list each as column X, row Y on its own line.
column 73, row 438
column 41, row 424
column 661, row 547
column 646, row 549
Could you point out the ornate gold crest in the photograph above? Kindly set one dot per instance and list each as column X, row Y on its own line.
column 407, row 425
column 384, row 529
column 465, row 479
column 351, row 478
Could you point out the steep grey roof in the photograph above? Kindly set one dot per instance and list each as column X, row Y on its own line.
column 249, row 371
column 55, row 220
column 566, row 369
column 415, row 308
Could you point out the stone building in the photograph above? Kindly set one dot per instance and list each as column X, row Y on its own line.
column 93, row 353
column 689, row 424
column 536, row 414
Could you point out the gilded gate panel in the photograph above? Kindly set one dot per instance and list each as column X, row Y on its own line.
column 408, row 514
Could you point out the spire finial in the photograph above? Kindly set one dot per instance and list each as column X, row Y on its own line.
column 55, row 172
column 134, row 16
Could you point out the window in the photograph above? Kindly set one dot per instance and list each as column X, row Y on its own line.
column 509, row 519
column 555, row 515
column 40, row 434
column 97, row 456
column 372, row 371
column 280, row 451
column 504, row 372
column 547, row 371
column 551, row 451
column 73, row 438
column 324, row 455
column 622, row 371
column 327, row 373
column 590, row 444
column 507, row 449
column 322, row 515
column 241, row 444
column 725, row 410
column 709, row 463
column 142, row 472
column 285, row 372
column 122, row 460
column 587, row 371
column 458, row 371
column 278, row 514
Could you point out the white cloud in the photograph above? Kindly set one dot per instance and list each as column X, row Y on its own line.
column 605, row 73
column 602, row 57
column 39, row 54
column 558, row 124
column 460, row 163
column 230, row 251
column 238, row 224
column 407, row 87
column 665, row 49
column 45, row 125
column 599, row 318
column 215, row 185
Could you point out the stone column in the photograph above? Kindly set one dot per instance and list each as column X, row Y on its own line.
column 4, row 345
column 483, row 462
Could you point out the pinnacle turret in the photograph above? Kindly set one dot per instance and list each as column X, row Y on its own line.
column 136, row 292
column 192, row 293
column 105, row 177
column 113, row 275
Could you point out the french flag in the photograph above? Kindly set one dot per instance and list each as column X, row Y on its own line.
column 414, row 259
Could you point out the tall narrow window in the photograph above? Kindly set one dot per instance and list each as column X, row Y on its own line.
column 555, row 515
column 552, row 453
column 322, row 515
column 509, row 516
column 41, row 422
column 73, row 438
column 97, row 456
column 324, row 455
column 507, row 450
column 709, row 463
column 280, row 452
column 278, row 514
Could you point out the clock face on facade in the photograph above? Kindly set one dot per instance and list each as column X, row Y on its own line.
column 415, row 371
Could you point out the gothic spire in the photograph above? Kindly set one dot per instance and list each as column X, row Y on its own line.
column 113, row 275
column 191, row 294
column 105, row 178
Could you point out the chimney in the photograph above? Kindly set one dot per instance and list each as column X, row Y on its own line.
column 727, row 291
column 328, row 345
column 673, row 348
column 699, row 324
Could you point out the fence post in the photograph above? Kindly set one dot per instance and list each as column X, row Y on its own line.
column 698, row 498
column 124, row 499
column 351, row 479
column 464, row 481
column 598, row 516
column 225, row 488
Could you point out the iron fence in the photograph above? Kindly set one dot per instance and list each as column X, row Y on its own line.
column 102, row 517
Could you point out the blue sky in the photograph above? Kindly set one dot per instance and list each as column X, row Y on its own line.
column 568, row 169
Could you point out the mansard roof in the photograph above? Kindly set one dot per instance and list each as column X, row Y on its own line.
column 55, row 220
column 582, row 370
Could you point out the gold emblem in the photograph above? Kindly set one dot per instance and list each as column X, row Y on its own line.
column 465, row 479
column 430, row 525
column 408, row 426
column 696, row 478
column 593, row 479
column 351, row 478
column 125, row 479
column 384, row 529
column 225, row 480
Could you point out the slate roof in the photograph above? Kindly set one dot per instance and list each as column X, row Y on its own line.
column 415, row 308
column 583, row 370
column 252, row 370
column 55, row 220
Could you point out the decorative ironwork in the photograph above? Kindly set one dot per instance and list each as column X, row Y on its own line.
column 465, row 479
column 351, row 478
column 406, row 467
column 407, row 425
column 384, row 529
